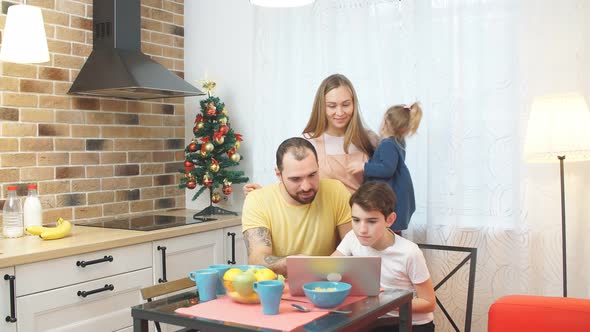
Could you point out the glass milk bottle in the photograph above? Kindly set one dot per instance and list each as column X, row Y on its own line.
column 32, row 209
column 12, row 215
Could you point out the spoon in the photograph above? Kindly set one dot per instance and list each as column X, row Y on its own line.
column 304, row 309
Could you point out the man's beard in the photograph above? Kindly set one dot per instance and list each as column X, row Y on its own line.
column 302, row 200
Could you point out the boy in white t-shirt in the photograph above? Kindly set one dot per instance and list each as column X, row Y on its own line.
column 402, row 262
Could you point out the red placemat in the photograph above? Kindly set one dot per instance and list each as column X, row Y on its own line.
column 226, row 310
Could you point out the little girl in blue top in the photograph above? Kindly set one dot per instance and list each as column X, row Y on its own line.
column 388, row 161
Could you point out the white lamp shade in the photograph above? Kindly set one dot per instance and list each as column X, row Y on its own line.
column 23, row 40
column 281, row 3
column 559, row 125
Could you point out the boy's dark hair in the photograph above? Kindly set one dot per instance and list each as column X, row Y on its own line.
column 298, row 147
column 375, row 196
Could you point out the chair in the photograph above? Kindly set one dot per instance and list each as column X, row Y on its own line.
column 148, row 293
column 471, row 256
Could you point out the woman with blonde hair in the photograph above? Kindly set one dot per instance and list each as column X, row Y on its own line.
column 336, row 130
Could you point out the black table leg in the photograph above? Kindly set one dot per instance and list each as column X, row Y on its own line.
column 140, row 325
column 405, row 317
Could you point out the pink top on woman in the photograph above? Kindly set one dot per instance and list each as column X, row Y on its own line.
column 336, row 164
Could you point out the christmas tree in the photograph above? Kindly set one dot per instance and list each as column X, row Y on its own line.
column 211, row 154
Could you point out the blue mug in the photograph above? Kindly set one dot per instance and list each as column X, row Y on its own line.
column 269, row 292
column 221, row 269
column 206, row 280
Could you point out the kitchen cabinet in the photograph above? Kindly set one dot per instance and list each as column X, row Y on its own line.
column 6, row 299
column 64, row 309
column 234, row 238
column 174, row 258
column 87, row 292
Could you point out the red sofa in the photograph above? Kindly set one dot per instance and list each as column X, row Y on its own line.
column 523, row 313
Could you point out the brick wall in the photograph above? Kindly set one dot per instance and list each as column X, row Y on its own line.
column 92, row 157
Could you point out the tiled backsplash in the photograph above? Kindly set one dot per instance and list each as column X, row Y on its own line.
column 92, row 157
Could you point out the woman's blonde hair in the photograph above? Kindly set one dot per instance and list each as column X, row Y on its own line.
column 318, row 122
column 401, row 121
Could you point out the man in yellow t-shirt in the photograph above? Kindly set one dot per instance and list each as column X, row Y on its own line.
column 299, row 215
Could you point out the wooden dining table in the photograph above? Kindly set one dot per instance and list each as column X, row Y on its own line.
column 363, row 313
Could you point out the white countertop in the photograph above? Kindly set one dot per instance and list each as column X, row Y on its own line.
column 83, row 239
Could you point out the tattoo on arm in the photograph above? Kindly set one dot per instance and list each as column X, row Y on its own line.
column 258, row 235
column 271, row 260
column 247, row 242
column 261, row 237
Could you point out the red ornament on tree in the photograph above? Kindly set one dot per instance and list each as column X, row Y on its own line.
column 198, row 118
column 199, row 124
column 211, row 109
column 230, row 152
column 191, row 184
column 192, row 147
column 207, row 181
column 218, row 137
column 227, row 190
column 223, row 129
column 188, row 164
column 238, row 140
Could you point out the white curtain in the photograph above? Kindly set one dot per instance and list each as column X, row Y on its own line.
column 475, row 66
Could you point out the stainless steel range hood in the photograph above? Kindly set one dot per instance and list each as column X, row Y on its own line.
column 116, row 67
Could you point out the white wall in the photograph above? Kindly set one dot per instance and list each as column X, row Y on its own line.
column 218, row 44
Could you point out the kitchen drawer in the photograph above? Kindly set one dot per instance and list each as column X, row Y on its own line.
column 64, row 310
column 55, row 273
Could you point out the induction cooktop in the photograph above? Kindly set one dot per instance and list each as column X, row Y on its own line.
column 146, row 223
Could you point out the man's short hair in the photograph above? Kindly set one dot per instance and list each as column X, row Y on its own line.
column 375, row 196
column 298, row 147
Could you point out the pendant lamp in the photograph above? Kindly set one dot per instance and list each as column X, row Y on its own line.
column 281, row 3
column 23, row 39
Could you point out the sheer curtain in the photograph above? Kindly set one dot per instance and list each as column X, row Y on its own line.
column 475, row 66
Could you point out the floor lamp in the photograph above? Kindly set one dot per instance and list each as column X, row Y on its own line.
column 559, row 128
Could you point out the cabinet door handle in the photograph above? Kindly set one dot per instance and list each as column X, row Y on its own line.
column 12, row 317
column 96, row 261
column 163, row 279
column 233, row 248
column 98, row 290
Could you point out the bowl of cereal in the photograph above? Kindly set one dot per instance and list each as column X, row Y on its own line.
column 326, row 294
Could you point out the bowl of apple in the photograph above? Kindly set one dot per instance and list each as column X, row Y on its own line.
column 239, row 281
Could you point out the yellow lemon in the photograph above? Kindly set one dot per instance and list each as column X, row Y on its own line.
column 230, row 274
column 265, row 274
column 253, row 298
column 228, row 278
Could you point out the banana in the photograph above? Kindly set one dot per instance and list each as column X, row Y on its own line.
column 37, row 230
column 63, row 228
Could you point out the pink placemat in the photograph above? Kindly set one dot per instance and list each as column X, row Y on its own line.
column 226, row 310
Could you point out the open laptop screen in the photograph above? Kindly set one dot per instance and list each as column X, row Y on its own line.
column 362, row 272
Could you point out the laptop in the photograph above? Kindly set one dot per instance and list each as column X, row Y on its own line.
column 362, row 272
